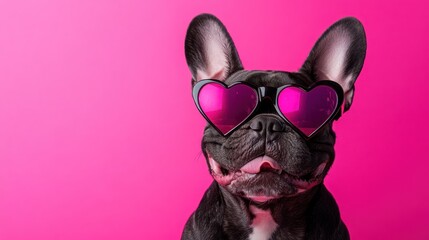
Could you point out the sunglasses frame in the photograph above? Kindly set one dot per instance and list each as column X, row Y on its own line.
column 272, row 93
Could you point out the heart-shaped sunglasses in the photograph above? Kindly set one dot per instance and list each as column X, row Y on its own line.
column 306, row 110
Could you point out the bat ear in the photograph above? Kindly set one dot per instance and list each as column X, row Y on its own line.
column 338, row 55
column 209, row 49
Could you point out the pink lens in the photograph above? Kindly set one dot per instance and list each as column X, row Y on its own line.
column 307, row 111
column 226, row 108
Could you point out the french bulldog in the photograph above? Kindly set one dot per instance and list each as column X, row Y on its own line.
column 268, row 176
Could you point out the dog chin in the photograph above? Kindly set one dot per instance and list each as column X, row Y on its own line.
column 262, row 179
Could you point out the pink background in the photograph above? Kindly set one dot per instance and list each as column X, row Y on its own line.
column 99, row 137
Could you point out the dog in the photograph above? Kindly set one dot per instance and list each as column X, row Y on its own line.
column 268, row 166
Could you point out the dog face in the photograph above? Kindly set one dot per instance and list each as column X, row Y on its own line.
column 265, row 158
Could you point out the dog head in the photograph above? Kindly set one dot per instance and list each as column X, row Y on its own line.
column 265, row 158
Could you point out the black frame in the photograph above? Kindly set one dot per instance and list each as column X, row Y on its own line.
column 273, row 93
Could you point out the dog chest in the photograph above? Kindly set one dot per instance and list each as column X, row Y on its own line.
column 263, row 224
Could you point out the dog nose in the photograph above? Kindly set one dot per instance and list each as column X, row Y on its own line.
column 267, row 124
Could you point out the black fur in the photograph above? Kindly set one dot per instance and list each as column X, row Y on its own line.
column 223, row 212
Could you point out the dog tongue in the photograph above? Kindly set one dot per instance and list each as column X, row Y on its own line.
column 259, row 163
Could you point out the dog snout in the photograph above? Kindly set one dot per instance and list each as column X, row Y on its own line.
column 267, row 125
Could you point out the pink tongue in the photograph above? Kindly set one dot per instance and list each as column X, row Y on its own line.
column 256, row 164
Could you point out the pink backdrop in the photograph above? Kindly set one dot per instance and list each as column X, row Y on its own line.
column 99, row 137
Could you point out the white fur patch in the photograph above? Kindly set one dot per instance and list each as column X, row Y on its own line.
column 263, row 224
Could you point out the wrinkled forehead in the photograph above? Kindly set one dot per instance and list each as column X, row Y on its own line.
column 269, row 78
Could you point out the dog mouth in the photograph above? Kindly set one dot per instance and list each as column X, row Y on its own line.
column 262, row 179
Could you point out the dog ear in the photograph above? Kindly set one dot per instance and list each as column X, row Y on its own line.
column 209, row 49
column 338, row 55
